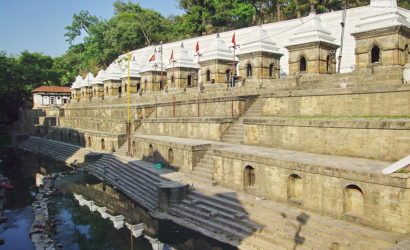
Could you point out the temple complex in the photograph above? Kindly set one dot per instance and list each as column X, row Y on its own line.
column 279, row 149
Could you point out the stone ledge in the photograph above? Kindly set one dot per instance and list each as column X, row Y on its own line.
column 338, row 166
column 190, row 120
column 348, row 122
column 175, row 142
column 95, row 132
column 339, row 91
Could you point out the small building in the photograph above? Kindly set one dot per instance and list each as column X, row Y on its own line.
column 382, row 39
column 217, row 62
column 98, row 85
column 51, row 95
column 312, row 48
column 153, row 74
column 132, row 74
column 112, row 82
column 182, row 71
column 85, row 86
column 76, row 89
column 259, row 58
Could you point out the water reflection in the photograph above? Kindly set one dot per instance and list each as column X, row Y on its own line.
column 128, row 221
column 96, row 217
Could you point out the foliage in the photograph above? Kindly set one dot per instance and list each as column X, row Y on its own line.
column 20, row 75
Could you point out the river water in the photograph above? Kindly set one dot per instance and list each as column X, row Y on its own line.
column 86, row 213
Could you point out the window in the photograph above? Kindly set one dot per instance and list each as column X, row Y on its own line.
column 248, row 70
column 328, row 64
column 89, row 141
column 138, row 86
column 271, row 70
column 172, row 79
column 227, row 75
column 53, row 101
column 302, row 64
column 208, row 75
column 375, row 54
column 102, row 144
column 170, row 156
column 189, row 80
column 151, row 151
column 249, row 176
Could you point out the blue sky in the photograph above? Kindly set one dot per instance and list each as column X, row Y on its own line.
column 38, row 25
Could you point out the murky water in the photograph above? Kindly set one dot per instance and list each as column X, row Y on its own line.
column 87, row 213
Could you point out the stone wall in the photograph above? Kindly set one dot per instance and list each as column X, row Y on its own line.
column 387, row 140
column 196, row 128
column 105, row 125
column 394, row 101
column 184, row 155
column 378, row 202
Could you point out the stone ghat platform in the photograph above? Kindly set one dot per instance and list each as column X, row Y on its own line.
column 240, row 219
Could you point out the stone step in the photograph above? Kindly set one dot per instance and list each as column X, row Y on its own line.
column 275, row 223
column 315, row 221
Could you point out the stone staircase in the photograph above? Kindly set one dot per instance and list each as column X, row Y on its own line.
column 123, row 150
column 234, row 134
column 203, row 171
column 60, row 151
column 136, row 181
column 261, row 224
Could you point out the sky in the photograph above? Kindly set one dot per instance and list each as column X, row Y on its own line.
column 39, row 25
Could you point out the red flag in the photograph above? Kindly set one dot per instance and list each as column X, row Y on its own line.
column 233, row 40
column 172, row 56
column 197, row 47
column 152, row 58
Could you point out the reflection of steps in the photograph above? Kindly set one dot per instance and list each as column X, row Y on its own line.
column 234, row 134
column 203, row 171
column 272, row 225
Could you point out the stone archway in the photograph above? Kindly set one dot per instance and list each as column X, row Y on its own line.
column 249, row 176
column 353, row 200
column 295, row 187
